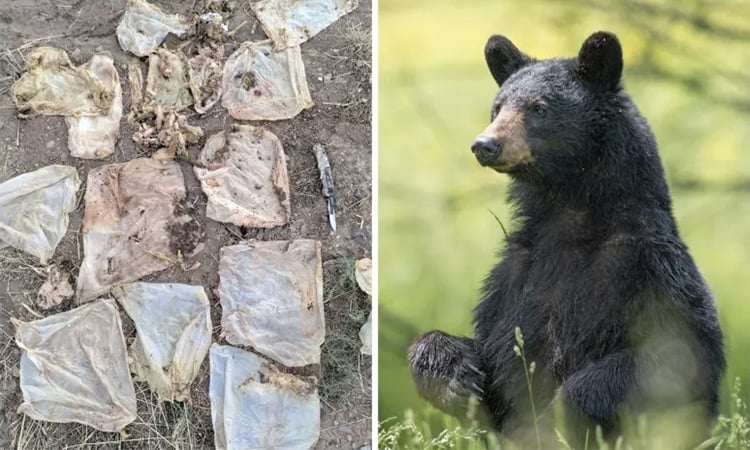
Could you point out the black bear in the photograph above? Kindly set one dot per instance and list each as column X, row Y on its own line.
column 613, row 311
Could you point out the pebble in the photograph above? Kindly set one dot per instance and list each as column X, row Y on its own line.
column 50, row 145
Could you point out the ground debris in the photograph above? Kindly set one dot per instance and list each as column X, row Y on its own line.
column 289, row 23
column 278, row 410
column 74, row 368
column 167, row 82
column 34, row 209
column 55, row 289
column 245, row 178
column 173, row 324
column 168, row 137
column 129, row 210
column 144, row 26
column 51, row 85
column 94, row 137
column 260, row 84
column 363, row 275
column 277, row 286
column 326, row 177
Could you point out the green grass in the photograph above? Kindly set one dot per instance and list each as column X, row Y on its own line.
column 437, row 236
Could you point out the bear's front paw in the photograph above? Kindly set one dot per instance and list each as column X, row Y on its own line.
column 446, row 371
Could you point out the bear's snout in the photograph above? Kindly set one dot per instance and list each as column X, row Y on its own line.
column 486, row 149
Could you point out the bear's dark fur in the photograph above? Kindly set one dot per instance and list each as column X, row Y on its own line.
column 613, row 311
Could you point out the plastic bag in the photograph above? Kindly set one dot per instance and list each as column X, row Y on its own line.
column 167, row 82
column 34, row 209
column 74, row 368
column 51, row 85
column 260, row 84
column 204, row 74
column 272, row 299
column 245, row 178
column 254, row 406
column 291, row 22
column 144, row 26
column 129, row 223
column 173, row 324
column 94, row 137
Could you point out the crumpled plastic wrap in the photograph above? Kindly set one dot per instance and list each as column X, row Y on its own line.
column 144, row 26
column 34, row 209
column 291, row 22
column 74, row 368
column 204, row 74
column 271, row 296
column 51, row 85
column 94, row 137
column 260, row 84
column 167, row 82
column 363, row 275
column 126, row 225
column 245, row 178
column 173, row 324
column 255, row 406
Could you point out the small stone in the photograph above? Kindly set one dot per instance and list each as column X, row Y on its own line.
column 327, row 78
column 50, row 145
column 99, row 48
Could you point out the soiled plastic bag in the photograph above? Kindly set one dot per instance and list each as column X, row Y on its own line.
column 167, row 82
column 204, row 74
column 173, row 325
column 291, row 22
column 94, row 137
column 128, row 223
column 363, row 275
column 34, row 209
column 144, row 26
column 245, row 178
column 254, row 406
column 272, row 299
column 51, row 85
column 260, row 84
column 74, row 368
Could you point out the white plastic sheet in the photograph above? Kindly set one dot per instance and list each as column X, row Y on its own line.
column 144, row 26
column 167, row 82
column 74, row 368
column 245, row 178
column 260, row 84
column 272, row 299
column 173, row 324
column 254, row 406
column 51, row 85
column 129, row 212
column 34, row 209
column 94, row 137
column 291, row 22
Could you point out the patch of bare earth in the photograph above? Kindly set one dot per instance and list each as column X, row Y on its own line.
column 337, row 62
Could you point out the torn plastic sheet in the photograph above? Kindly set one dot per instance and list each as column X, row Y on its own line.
column 127, row 223
column 34, row 209
column 51, row 85
column 205, row 75
column 74, row 368
column 245, row 178
column 94, row 137
column 173, row 325
column 291, row 22
column 271, row 296
column 260, row 84
column 255, row 406
column 144, row 26
column 363, row 275
column 167, row 82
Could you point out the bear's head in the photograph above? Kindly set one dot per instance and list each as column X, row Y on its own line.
column 550, row 116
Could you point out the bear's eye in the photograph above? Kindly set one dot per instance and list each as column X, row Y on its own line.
column 540, row 110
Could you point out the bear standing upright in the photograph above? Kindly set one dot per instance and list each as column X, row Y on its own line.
column 613, row 311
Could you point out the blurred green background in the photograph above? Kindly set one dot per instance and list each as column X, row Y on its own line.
column 687, row 66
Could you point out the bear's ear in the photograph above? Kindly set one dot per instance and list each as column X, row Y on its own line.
column 503, row 58
column 600, row 60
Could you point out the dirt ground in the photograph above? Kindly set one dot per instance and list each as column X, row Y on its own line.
column 337, row 63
